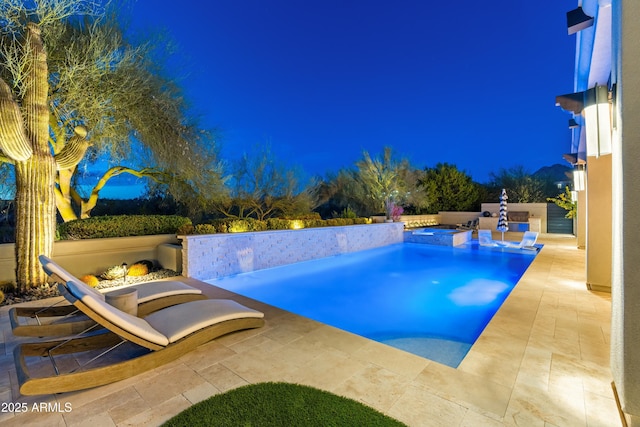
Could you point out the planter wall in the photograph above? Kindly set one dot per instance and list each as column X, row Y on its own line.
column 207, row 257
column 93, row 256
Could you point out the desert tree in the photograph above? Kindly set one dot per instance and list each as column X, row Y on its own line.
column 73, row 89
column 566, row 202
column 382, row 179
column 447, row 188
column 262, row 187
column 521, row 185
column 341, row 191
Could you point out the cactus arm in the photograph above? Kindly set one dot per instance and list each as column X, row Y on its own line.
column 14, row 142
column 73, row 152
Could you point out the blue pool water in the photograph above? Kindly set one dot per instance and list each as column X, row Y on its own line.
column 433, row 301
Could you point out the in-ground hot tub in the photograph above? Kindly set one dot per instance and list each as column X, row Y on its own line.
column 438, row 236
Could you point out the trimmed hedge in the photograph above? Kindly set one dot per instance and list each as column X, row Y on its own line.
column 235, row 225
column 121, row 226
column 142, row 225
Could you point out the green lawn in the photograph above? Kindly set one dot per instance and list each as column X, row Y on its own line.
column 280, row 404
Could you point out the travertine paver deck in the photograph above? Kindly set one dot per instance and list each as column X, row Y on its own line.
column 542, row 361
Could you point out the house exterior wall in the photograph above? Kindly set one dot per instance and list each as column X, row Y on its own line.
column 625, row 292
column 598, row 248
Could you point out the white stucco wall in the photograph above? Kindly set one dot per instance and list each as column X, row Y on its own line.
column 625, row 292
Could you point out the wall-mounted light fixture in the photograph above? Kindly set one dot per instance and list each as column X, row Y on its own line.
column 597, row 116
column 573, row 124
column 577, row 20
column 595, row 105
column 579, row 178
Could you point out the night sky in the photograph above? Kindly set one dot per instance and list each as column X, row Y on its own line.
column 470, row 83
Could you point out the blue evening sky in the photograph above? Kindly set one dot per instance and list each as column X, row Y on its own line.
column 470, row 83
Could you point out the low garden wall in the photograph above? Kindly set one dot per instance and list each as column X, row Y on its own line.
column 93, row 256
column 207, row 257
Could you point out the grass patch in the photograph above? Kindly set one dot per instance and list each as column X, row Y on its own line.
column 280, row 404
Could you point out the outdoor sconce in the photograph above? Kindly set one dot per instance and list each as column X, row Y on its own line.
column 579, row 178
column 596, row 106
column 577, row 20
column 597, row 117
column 573, row 124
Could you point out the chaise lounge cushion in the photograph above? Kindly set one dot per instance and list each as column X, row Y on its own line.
column 181, row 320
column 53, row 269
column 161, row 289
column 169, row 324
column 132, row 324
column 146, row 291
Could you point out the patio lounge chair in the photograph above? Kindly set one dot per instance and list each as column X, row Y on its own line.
column 64, row 320
column 164, row 335
column 485, row 238
column 528, row 241
column 470, row 225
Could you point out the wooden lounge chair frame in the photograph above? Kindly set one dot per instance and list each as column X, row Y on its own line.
column 110, row 339
column 470, row 225
column 65, row 319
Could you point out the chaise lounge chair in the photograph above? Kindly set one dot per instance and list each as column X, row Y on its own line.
column 485, row 238
column 470, row 225
column 528, row 241
column 166, row 334
column 61, row 320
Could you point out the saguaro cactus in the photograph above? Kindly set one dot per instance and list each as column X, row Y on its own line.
column 24, row 139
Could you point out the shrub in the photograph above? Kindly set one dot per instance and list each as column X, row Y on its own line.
column 146, row 262
column 90, row 280
column 348, row 213
column 204, row 229
column 1, row 297
column 186, row 229
column 114, row 272
column 239, row 225
column 311, row 223
column 138, row 270
column 278, row 224
column 7, row 286
column 308, row 216
column 121, row 226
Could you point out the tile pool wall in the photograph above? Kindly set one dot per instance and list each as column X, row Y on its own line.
column 211, row 256
column 441, row 237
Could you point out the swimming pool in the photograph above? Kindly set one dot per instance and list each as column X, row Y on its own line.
column 433, row 301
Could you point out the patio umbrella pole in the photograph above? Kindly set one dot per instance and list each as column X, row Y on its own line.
column 502, row 219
